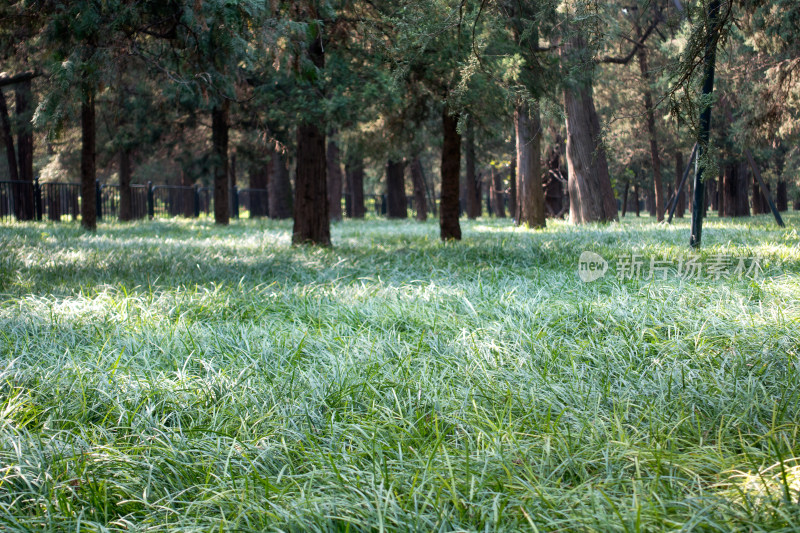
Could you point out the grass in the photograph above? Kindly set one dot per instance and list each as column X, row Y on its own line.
column 172, row 375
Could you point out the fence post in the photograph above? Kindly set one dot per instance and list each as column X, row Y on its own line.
column 98, row 200
column 37, row 199
column 196, row 200
column 235, row 197
column 151, row 208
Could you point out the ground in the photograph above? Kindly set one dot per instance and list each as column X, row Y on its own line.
column 175, row 375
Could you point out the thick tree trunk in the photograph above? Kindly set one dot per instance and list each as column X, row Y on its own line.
column 590, row 194
column 650, row 202
column 651, row 129
column 335, row 180
column 279, row 187
column 680, row 209
column 758, row 203
column 451, row 166
column 529, row 167
column 187, row 195
column 312, row 223
column 219, row 141
column 418, row 180
column 733, row 197
column 125, row 174
column 471, row 189
column 782, row 197
column 396, row 190
column 355, row 186
column 88, row 154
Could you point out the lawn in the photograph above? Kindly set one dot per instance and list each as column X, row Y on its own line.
column 172, row 375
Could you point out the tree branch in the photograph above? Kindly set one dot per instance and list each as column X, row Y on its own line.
column 624, row 60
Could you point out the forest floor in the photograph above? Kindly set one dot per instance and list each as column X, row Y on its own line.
column 174, row 375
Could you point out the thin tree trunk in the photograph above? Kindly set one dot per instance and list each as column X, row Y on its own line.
column 681, row 207
column 625, row 189
column 418, row 180
column 529, row 167
column 590, row 194
column 187, row 195
column 24, row 112
column 512, row 191
column 451, row 166
column 335, row 179
column 396, row 190
column 219, row 141
column 88, row 154
column 125, row 199
column 259, row 196
column 471, row 187
column 8, row 138
column 496, row 182
column 651, row 129
column 311, row 217
column 355, row 179
column 279, row 187
column 637, row 195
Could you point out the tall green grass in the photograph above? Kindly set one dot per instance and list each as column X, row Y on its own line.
column 173, row 375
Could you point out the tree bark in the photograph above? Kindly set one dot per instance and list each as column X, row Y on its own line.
column 88, row 154
column 449, row 227
column 590, row 194
column 782, row 197
column 335, row 180
column 279, row 187
column 529, row 167
column 651, row 128
column 219, row 141
column 680, row 209
column 636, row 196
column 355, row 186
column 8, row 139
column 496, row 182
column 312, row 223
column 259, row 182
column 418, row 180
column 625, row 189
column 471, row 188
column 733, row 194
column 512, row 191
column 125, row 199
column 396, row 190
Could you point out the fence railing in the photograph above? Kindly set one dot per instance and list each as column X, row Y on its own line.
column 25, row 200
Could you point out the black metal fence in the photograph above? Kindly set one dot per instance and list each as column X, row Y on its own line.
column 24, row 200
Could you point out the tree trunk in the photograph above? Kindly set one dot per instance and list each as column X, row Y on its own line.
column 650, row 202
column 219, row 141
column 553, row 190
column 334, row 180
column 259, row 183
column 680, row 209
column 782, row 197
column 187, row 195
column 449, row 226
column 512, row 191
column 529, row 167
column 125, row 199
column 590, row 194
column 8, row 138
column 651, row 129
column 758, row 203
column 471, row 188
column 636, row 196
column 625, row 189
column 88, row 174
column 418, row 180
column 733, row 192
column 355, row 186
column 312, row 223
column 396, row 190
column 279, row 187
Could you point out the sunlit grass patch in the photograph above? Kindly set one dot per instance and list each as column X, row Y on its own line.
column 175, row 375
